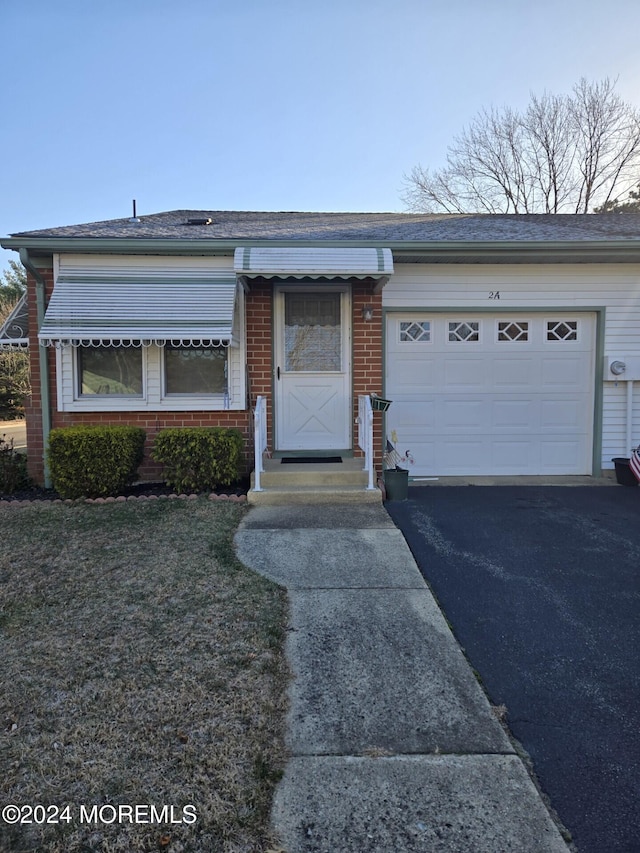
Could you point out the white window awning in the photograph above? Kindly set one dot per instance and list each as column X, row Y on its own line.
column 14, row 332
column 140, row 309
column 301, row 262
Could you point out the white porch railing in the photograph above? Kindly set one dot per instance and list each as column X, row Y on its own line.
column 365, row 435
column 260, row 439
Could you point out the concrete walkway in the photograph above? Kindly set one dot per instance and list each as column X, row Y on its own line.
column 393, row 745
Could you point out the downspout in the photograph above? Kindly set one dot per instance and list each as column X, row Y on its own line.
column 45, row 401
column 629, row 446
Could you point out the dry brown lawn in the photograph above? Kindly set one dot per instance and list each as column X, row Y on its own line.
column 141, row 665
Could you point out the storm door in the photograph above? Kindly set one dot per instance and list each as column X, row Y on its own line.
column 313, row 364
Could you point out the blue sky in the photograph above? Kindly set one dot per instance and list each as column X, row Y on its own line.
column 273, row 105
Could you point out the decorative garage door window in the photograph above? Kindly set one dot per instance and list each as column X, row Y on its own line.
column 513, row 330
column 416, row 331
column 312, row 332
column 562, row 330
column 467, row 331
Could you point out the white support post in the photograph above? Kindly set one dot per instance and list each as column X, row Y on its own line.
column 365, row 436
column 260, row 440
column 629, row 415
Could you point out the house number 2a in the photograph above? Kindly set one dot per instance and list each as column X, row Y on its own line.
column 494, row 294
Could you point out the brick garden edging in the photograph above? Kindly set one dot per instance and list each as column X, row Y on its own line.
column 122, row 499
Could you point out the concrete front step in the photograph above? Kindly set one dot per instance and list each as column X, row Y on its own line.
column 276, row 474
column 318, row 482
column 314, row 495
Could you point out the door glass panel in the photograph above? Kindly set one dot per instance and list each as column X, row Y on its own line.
column 312, row 332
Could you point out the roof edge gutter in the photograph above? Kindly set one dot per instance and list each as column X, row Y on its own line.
column 43, row 361
column 582, row 251
column 593, row 251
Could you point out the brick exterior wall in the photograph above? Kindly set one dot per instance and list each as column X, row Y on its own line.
column 366, row 367
column 367, row 359
column 33, row 405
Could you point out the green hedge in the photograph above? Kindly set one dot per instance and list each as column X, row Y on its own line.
column 94, row 461
column 198, row 459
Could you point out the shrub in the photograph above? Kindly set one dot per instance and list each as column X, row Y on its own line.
column 94, row 461
column 13, row 468
column 197, row 459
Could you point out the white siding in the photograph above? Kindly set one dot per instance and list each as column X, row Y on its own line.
column 614, row 287
column 113, row 264
column 614, row 441
column 153, row 375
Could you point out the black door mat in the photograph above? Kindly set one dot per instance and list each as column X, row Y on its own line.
column 309, row 460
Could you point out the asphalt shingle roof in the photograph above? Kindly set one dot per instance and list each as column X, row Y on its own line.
column 384, row 227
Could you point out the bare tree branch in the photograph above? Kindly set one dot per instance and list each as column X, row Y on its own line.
column 563, row 154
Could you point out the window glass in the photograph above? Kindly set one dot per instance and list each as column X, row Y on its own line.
column 312, row 332
column 195, row 370
column 110, row 370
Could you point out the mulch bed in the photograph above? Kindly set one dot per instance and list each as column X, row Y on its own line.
column 138, row 490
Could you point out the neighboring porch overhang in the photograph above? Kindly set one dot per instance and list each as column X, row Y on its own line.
column 314, row 263
column 138, row 310
column 14, row 332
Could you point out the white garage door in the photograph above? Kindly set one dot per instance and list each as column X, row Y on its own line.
column 477, row 394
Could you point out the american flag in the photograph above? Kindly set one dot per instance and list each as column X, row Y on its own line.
column 391, row 456
column 634, row 463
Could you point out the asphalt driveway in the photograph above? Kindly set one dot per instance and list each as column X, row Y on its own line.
column 541, row 586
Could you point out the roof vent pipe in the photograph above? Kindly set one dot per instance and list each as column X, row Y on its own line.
column 134, row 218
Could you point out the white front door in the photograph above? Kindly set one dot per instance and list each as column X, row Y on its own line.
column 313, row 369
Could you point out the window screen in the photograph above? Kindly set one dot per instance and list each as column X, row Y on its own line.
column 194, row 370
